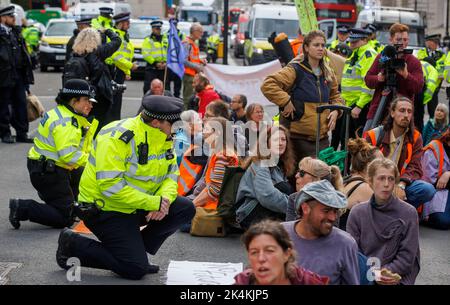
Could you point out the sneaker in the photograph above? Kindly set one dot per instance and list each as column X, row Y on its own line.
column 63, row 251
column 14, row 213
column 152, row 268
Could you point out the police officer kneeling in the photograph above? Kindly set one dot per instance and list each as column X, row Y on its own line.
column 130, row 181
column 57, row 158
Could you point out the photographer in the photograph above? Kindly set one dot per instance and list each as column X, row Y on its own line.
column 409, row 79
column 57, row 158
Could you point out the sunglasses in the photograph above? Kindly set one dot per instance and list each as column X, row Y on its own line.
column 302, row 173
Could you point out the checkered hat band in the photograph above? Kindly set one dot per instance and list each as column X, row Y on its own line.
column 79, row 92
column 357, row 36
column 167, row 117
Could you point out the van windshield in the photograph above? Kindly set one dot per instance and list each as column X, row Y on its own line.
column 139, row 30
column 415, row 38
column 61, row 29
column 197, row 16
column 265, row 26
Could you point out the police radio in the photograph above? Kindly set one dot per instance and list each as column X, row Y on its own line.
column 143, row 152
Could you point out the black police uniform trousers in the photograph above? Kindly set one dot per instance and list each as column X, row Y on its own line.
column 123, row 247
column 58, row 189
column 150, row 74
column 18, row 118
column 116, row 106
column 419, row 109
column 173, row 77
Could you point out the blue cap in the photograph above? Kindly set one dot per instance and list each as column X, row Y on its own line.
column 162, row 107
column 358, row 34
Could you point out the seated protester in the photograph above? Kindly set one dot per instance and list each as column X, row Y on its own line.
column 156, row 88
column 271, row 256
column 205, row 93
column 356, row 187
column 436, row 170
column 436, row 126
column 387, row 228
column 323, row 248
column 188, row 127
column 238, row 104
column 311, row 170
column 264, row 189
column 218, row 137
column 400, row 142
column 57, row 158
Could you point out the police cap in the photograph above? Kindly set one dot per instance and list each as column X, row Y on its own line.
column 358, row 34
column 78, row 88
column 121, row 17
column 343, row 29
column 156, row 24
column 8, row 11
column 344, row 49
column 162, row 107
column 372, row 28
column 435, row 37
column 106, row 11
column 83, row 20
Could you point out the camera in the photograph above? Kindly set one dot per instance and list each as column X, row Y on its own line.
column 392, row 59
column 118, row 88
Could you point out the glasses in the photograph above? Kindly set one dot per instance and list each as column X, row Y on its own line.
column 302, row 173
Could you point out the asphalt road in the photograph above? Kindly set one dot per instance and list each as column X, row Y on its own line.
column 33, row 247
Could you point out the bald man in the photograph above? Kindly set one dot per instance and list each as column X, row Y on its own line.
column 156, row 88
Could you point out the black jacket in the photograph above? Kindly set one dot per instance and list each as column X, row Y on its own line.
column 69, row 46
column 9, row 73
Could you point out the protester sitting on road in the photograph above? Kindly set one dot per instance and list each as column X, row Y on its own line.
column 255, row 124
column 271, row 256
column 356, row 187
column 310, row 170
column 237, row 105
column 436, row 170
column 204, row 94
column 156, row 88
column 264, row 189
column 387, row 228
column 436, row 126
column 184, row 135
column 295, row 89
column 57, row 158
column 400, row 142
column 323, row 248
column 217, row 108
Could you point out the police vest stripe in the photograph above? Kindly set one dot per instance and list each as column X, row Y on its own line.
column 364, row 90
column 77, row 156
column 183, row 184
column 108, row 174
column 92, row 159
column 115, row 188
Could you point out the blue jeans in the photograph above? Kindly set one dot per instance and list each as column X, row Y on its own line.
column 363, row 268
column 441, row 221
column 419, row 192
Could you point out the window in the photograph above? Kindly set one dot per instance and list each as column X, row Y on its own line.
column 264, row 27
column 61, row 29
column 139, row 30
column 197, row 16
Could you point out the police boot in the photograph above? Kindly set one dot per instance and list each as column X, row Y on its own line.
column 8, row 139
column 152, row 268
column 63, row 251
column 14, row 213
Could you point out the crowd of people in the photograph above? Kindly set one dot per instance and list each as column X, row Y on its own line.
column 303, row 222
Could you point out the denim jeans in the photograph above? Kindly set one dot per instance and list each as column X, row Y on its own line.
column 441, row 221
column 419, row 192
column 363, row 268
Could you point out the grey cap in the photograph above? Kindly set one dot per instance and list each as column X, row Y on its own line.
column 324, row 192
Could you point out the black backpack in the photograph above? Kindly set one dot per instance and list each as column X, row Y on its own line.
column 76, row 68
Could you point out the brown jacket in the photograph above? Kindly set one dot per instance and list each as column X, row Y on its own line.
column 414, row 169
column 277, row 88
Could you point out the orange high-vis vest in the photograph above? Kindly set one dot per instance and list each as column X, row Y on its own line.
column 189, row 173
column 374, row 136
column 212, row 203
column 194, row 56
column 437, row 148
column 296, row 45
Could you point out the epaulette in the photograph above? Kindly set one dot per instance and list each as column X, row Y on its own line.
column 75, row 122
column 127, row 136
column 368, row 54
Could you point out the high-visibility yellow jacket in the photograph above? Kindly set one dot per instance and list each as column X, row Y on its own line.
column 114, row 175
column 31, row 36
column 64, row 137
column 440, row 62
column 431, row 76
column 353, row 86
column 334, row 44
column 154, row 50
column 376, row 45
column 213, row 42
column 166, row 38
column 101, row 22
column 123, row 57
column 446, row 70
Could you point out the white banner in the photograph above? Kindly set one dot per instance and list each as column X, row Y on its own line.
column 246, row 80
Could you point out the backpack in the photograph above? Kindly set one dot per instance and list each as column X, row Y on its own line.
column 76, row 68
column 227, row 205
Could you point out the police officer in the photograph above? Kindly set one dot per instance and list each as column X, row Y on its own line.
column 155, row 54
column 32, row 35
column 123, row 63
column 353, row 87
column 433, row 55
column 130, row 181
column 212, row 45
column 373, row 42
column 343, row 33
column 104, row 20
column 82, row 23
column 171, row 76
column 431, row 81
column 15, row 78
column 56, row 160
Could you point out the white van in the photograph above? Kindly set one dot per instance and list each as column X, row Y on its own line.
column 88, row 8
column 383, row 17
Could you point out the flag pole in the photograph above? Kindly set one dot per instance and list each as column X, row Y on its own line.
column 164, row 82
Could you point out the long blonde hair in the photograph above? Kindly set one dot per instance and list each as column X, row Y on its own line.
column 323, row 64
column 87, row 41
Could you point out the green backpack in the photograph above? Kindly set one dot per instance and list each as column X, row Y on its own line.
column 227, row 206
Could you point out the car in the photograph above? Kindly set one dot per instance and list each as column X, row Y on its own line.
column 139, row 29
column 233, row 33
column 52, row 48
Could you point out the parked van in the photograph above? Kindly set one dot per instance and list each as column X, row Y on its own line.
column 84, row 8
column 384, row 17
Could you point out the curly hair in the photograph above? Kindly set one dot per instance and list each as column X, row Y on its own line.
column 87, row 41
column 362, row 153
